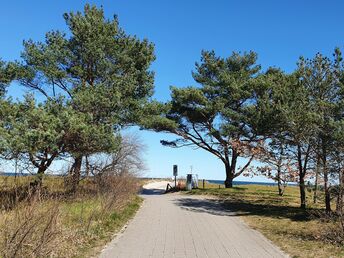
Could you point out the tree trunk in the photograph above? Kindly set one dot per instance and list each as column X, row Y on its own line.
column 75, row 173
column 340, row 198
column 315, row 196
column 42, row 166
column 302, row 192
column 302, row 172
column 229, row 176
column 229, row 183
column 40, row 173
column 280, row 188
column 87, row 164
column 326, row 188
column 37, row 182
column 279, row 183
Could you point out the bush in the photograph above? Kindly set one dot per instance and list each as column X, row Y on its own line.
column 29, row 230
column 51, row 224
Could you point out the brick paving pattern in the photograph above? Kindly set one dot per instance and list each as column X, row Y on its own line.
column 176, row 225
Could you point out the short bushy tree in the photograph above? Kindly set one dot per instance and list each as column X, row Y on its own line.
column 217, row 115
column 102, row 73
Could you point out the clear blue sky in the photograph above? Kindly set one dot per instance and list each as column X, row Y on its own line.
column 280, row 31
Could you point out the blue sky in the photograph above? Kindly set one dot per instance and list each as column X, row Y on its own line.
column 279, row 31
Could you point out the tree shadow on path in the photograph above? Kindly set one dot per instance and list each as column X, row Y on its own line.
column 145, row 191
column 242, row 208
column 211, row 206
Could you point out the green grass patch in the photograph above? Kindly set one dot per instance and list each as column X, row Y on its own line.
column 94, row 226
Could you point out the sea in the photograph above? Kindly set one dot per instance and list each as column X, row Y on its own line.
column 221, row 182
column 217, row 182
column 23, row 174
column 14, row 174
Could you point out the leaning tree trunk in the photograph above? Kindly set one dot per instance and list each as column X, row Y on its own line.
column 42, row 166
column 75, row 173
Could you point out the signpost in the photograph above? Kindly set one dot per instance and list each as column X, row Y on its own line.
column 175, row 174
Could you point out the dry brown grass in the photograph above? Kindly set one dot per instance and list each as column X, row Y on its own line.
column 54, row 224
column 29, row 230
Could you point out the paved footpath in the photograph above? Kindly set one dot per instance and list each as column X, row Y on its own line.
column 176, row 225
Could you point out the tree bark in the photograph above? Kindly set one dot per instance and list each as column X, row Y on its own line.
column 315, row 196
column 37, row 182
column 339, row 204
column 229, row 176
column 302, row 172
column 326, row 188
column 280, row 192
column 280, row 188
column 340, row 198
column 75, row 173
column 279, row 183
column 302, row 192
column 87, row 164
column 42, row 166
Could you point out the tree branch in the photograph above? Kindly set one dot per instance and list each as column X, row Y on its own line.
column 244, row 167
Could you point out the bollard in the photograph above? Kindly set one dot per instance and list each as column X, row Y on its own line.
column 189, row 182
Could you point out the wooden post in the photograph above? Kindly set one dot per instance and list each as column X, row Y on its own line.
column 203, row 183
column 219, row 186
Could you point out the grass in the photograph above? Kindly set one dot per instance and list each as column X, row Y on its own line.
column 297, row 232
column 63, row 225
column 93, row 229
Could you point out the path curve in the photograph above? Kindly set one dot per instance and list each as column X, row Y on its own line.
column 176, row 225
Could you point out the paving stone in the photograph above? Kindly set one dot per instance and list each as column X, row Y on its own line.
column 176, row 225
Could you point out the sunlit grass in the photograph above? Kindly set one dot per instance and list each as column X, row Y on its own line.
column 86, row 221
